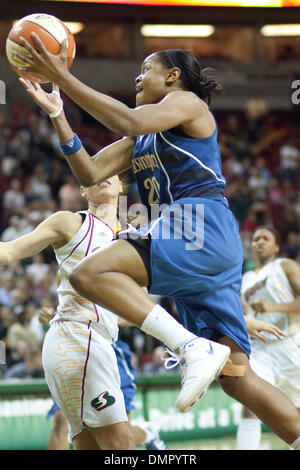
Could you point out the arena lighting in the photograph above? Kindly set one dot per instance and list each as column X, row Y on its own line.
column 197, row 3
column 74, row 27
column 273, row 30
column 177, row 30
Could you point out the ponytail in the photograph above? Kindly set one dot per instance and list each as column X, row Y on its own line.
column 203, row 82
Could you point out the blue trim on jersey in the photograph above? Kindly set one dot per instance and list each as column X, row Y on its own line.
column 169, row 167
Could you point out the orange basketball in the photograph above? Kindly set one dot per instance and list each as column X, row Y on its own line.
column 51, row 32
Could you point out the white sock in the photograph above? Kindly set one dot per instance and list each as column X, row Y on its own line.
column 145, row 428
column 296, row 444
column 248, row 434
column 160, row 324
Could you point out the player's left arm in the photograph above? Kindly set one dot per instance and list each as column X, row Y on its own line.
column 292, row 271
column 52, row 231
column 179, row 107
column 109, row 161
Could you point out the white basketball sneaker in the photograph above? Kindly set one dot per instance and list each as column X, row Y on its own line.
column 201, row 361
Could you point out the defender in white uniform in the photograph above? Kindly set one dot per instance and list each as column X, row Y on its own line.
column 271, row 293
column 79, row 360
column 77, row 352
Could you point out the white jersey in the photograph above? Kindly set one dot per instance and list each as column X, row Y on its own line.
column 92, row 235
column 270, row 283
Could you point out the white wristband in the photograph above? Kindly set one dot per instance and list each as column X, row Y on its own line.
column 56, row 113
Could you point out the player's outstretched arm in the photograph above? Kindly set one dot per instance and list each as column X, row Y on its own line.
column 113, row 114
column 110, row 161
column 56, row 231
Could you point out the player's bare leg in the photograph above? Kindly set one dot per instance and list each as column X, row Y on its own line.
column 268, row 403
column 85, row 441
column 112, row 277
column 116, row 436
column 113, row 437
column 58, row 437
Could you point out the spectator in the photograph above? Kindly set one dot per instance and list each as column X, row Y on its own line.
column 32, row 319
column 291, row 247
column 7, row 318
column 17, row 226
column 257, row 183
column 21, row 292
column 69, row 194
column 290, row 221
column 56, row 179
column 256, row 108
column 38, row 182
column 289, row 160
column 17, row 270
column 38, row 270
column 14, row 199
column 30, row 368
column 274, row 193
column 5, row 290
column 250, row 223
column 20, row 338
column 18, row 146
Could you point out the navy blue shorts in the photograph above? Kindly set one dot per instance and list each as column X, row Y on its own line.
column 195, row 255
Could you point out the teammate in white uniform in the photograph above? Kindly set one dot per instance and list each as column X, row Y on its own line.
column 271, row 293
column 79, row 361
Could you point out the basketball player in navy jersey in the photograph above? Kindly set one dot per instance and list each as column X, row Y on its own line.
column 172, row 146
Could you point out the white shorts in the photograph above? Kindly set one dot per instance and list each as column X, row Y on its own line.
column 278, row 362
column 82, row 374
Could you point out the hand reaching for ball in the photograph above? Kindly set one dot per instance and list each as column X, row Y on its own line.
column 50, row 66
column 40, row 48
column 51, row 103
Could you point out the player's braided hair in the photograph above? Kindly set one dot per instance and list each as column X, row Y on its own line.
column 203, row 82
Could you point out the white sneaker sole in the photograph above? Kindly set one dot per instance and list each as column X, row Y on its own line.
column 191, row 394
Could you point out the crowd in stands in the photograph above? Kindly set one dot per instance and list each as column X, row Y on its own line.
column 261, row 163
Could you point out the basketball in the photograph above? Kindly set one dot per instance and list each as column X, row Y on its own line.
column 51, row 32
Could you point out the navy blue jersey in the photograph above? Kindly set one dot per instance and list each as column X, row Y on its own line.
column 195, row 252
column 169, row 167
